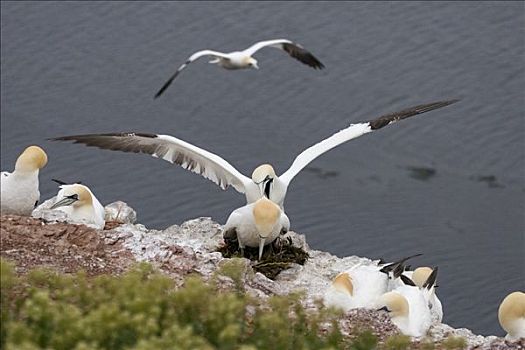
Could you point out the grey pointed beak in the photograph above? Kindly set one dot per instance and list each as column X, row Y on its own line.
column 261, row 247
column 384, row 308
column 65, row 202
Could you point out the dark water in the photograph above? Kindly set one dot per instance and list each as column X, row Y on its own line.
column 449, row 184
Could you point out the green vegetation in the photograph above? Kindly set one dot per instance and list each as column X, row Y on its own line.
column 454, row 343
column 398, row 342
column 144, row 310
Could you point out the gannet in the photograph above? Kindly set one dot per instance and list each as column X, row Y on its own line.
column 19, row 189
column 408, row 307
column 243, row 59
column 420, row 276
column 362, row 285
column 256, row 224
column 511, row 315
column 80, row 205
column 264, row 180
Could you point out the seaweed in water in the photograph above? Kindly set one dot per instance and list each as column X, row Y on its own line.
column 277, row 256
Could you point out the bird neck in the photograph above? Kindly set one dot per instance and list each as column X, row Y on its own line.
column 26, row 172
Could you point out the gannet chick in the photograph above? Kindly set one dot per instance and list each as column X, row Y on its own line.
column 19, row 189
column 420, row 276
column 511, row 315
column 256, row 224
column 362, row 285
column 264, row 180
column 243, row 59
column 80, row 205
column 408, row 307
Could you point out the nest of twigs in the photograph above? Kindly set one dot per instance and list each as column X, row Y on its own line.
column 277, row 256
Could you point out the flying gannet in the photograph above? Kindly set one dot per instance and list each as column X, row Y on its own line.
column 408, row 307
column 362, row 285
column 19, row 189
column 264, row 180
column 243, row 59
column 511, row 315
column 256, row 224
column 80, row 205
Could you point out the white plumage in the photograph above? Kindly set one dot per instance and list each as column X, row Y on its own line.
column 363, row 285
column 80, row 205
column 19, row 189
column 420, row 277
column 360, row 286
column 243, row 59
column 256, row 224
column 264, row 181
column 408, row 309
column 511, row 315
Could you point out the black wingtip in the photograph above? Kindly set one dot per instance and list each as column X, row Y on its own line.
column 406, row 280
column 431, row 280
column 397, row 266
column 164, row 87
column 409, row 112
column 60, row 182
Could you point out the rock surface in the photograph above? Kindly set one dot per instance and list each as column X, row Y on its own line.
column 181, row 250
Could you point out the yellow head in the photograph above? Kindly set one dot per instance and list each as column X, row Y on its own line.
column 343, row 283
column 396, row 304
column 420, row 275
column 251, row 62
column 33, row 158
column 266, row 214
column 511, row 313
column 74, row 195
column 262, row 172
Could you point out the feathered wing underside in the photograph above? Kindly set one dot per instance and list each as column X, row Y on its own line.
column 171, row 149
column 308, row 155
column 294, row 50
column 192, row 58
column 352, row 132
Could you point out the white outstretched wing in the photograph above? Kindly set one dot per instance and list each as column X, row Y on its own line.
column 353, row 131
column 169, row 148
column 294, row 50
column 192, row 58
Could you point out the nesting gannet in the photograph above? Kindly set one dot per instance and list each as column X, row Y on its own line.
column 243, row 59
column 362, row 285
column 264, row 179
column 511, row 315
column 80, row 205
column 420, row 276
column 19, row 189
column 256, row 224
column 408, row 307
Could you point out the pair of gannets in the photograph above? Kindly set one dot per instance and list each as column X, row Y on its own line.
column 409, row 302
column 20, row 192
column 362, row 285
column 243, row 59
column 264, row 181
column 19, row 189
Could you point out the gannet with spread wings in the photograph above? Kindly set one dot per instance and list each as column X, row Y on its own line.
column 264, row 181
column 243, row 59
